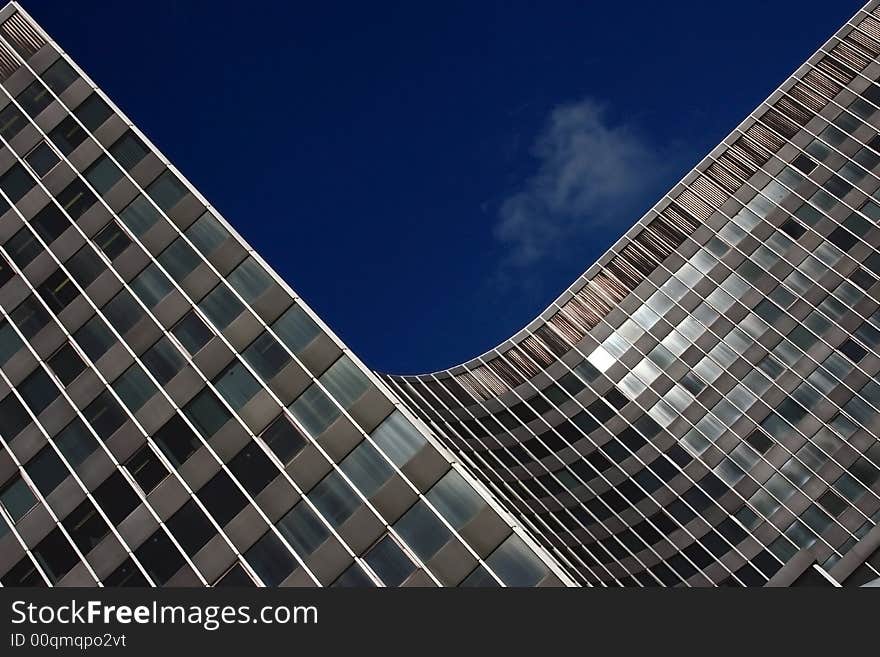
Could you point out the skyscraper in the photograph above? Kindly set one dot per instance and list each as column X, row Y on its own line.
column 170, row 412
column 699, row 408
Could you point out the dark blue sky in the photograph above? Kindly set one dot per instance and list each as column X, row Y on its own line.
column 430, row 176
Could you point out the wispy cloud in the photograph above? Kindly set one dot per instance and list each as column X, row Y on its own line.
column 591, row 173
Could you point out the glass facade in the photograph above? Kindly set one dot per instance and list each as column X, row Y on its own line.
column 171, row 413
column 700, row 408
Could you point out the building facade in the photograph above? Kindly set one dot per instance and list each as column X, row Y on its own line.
column 700, row 408
column 170, row 412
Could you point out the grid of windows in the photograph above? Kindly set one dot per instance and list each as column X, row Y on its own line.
column 150, row 338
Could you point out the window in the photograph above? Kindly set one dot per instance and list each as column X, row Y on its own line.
column 176, row 440
column 345, row 381
column 50, row 223
column 207, row 233
column 222, row 498
column 163, row 360
column 76, row 198
column 34, row 98
column 179, row 259
column 75, row 442
column 283, row 439
column 127, row 574
column 30, row 317
column 139, row 215
column 10, row 343
column 266, row 356
column 123, row 312
column 55, row 554
column 93, row 111
column 270, row 559
column 23, row 247
column 134, row 388
column 253, row 468
column 303, row 529
column 146, row 468
column 221, row 306
column 159, row 557
column 366, row 468
column 207, row 413
column 105, row 415
column 235, row 576
column 334, row 498
column 236, row 385
column 6, row 272
column 67, row 135
column 38, row 390
column 17, row 498
column 103, row 174
column 455, row 499
column 57, row 291
column 389, row 562
column 398, row 438
column 480, row 577
column 296, row 329
column 85, row 266
column 192, row 332
column 422, row 531
column 86, row 527
column 59, row 76
column 353, row 577
column 94, row 338
column 191, row 527
column 24, row 573
column 249, row 279
column 314, row 410
column 112, row 240
column 116, row 497
column 11, row 121
column 151, row 285
column 516, row 564
column 16, row 182
column 42, row 159
column 128, row 150
column 166, row 190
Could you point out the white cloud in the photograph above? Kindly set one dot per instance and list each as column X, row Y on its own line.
column 591, row 172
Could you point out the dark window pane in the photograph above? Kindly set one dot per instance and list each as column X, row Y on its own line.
column 103, row 174
column 191, row 527
column 134, row 387
column 163, row 360
column 67, row 135
column 94, row 338
column 159, row 557
column 93, row 111
column 176, row 440
column 249, row 279
column 105, row 415
column 42, row 159
column 30, row 316
column 55, row 554
column 253, row 468
column 86, row 526
column 123, row 312
column 389, row 562
column 192, row 332
column 85, row 266
column 179, row 259
column 76, row 198
column 58, row 291
column 207, row 233
column 50, row 223
column 296, row 329
column 222, row 498
column 284, row 439
column 112, row 240
column 66, row 364
column 166, row 190
column 126, row 575
column 422, row 531
column 146, row 468
column 46, row 470
column 34, row 98
column 303, row 529
column 266, row 356
column 10, row 343
column 59, row 76
column 271, row 560
column 16, row 182
column 235, row 576
column 76, row 442
column 116, row 497
column 17, row 498
column 38, row 390
column 128, row 150
column 236, row 385
column 23, row 247
column 139, row 215
column 334, row 498
column 151, row 285
column 24, row 573
column 221, row 306
column 11, row 121
column 207, row 413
